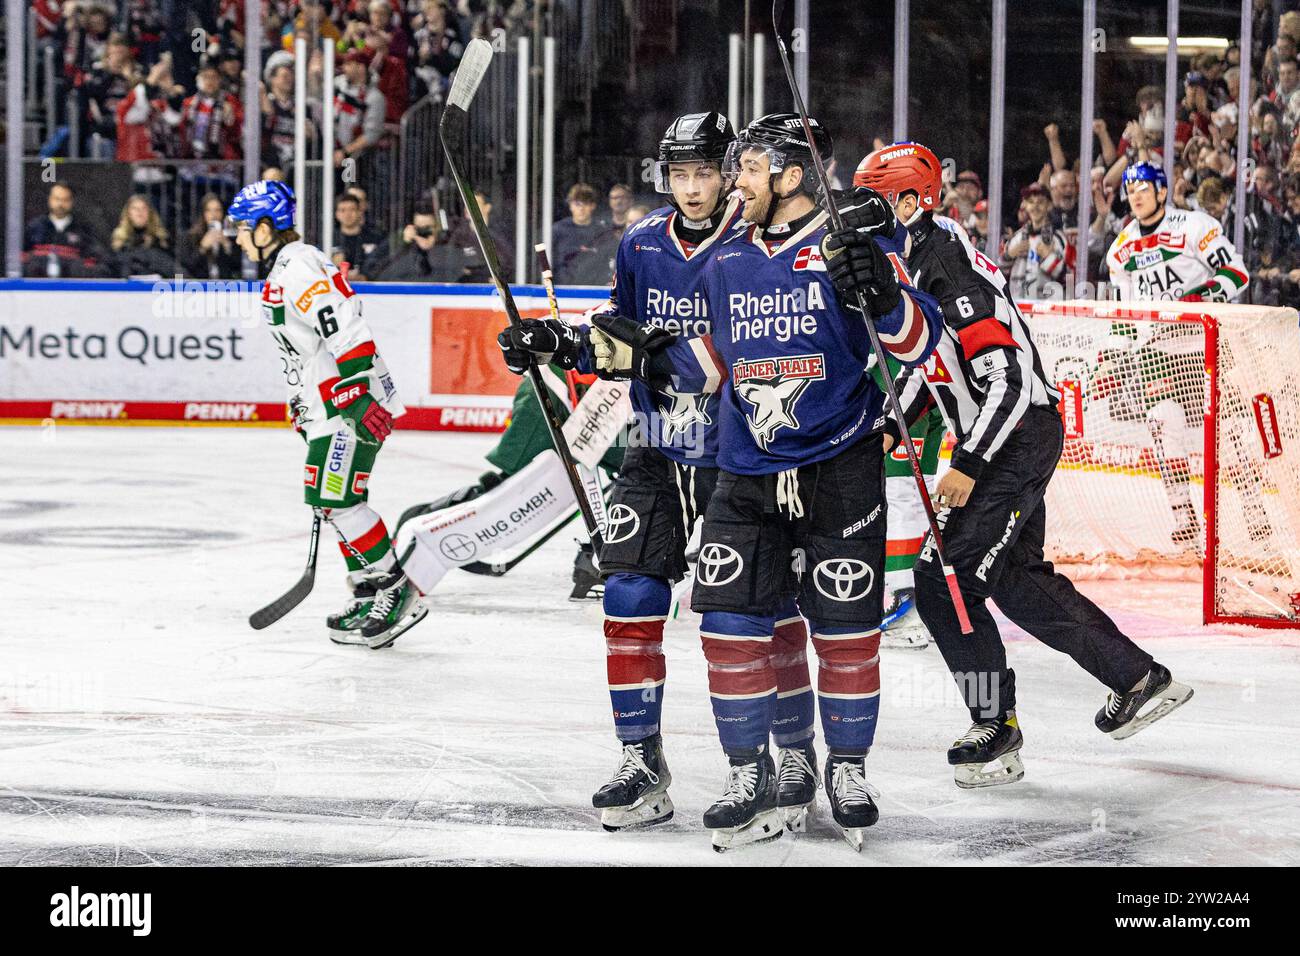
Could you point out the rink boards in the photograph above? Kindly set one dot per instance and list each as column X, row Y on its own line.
column 194, row 353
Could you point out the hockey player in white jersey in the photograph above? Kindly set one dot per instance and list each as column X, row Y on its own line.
column 1165, row 253
column 342, row 402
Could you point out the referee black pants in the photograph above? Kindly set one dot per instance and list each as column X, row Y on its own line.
column 995, row 543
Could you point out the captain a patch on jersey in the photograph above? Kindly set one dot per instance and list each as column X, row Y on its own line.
column 772, row 388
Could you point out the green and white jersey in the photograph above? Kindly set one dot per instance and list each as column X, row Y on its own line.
column 1184, row 256
column 326, row 349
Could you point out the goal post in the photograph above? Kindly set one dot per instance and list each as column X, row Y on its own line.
column 1182, row 449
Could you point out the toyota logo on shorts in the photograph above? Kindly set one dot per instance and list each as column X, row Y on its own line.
column 842, row 576
column 621, row 523
column 718, row 564
column 457, row 547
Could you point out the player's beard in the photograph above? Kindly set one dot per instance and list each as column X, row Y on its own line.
column 756, row 209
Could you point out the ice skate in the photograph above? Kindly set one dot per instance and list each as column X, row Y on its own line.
column 345, row 625
column 1123, row 716
column 988, row 755
column 901, row 626
column 797, row 785
column 587, row 583
column 396, row 609
column 853, row 806
column 746, row 813
column 637, row 794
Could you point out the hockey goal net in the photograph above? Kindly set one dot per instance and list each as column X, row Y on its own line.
column 1182, row 448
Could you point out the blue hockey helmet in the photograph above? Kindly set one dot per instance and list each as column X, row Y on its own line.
column 1145, row 173
column 264, row 199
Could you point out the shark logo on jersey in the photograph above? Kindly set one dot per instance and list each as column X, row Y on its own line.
column 684, row 410
column 773, row 387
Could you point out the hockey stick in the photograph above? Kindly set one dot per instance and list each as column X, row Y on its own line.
column 950, row 575
column 453, row 132
column 590, row 477
column 498, row 569
column 296, row 594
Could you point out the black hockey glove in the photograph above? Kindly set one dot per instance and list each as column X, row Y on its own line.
column 867, row 211
column 544, row 341
column 855, row 263
column 623, row 349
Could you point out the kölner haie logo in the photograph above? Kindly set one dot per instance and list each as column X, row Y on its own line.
column 772, row 387
column 75, row 908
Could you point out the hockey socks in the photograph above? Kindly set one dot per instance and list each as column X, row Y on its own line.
column 363, row 539
column 636, row 607
column 793, row 724
column 848, row 686
column 742, row 680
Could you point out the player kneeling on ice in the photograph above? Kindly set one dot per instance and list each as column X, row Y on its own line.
column 800, row 455
column 667, row 479
column 986, row 376
column 342, row 401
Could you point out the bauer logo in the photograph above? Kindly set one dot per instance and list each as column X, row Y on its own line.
column 718, row 564
column 843, row 579
column 1266, row 422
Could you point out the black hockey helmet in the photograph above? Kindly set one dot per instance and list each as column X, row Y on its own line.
column 781, row 137
column 694, row 137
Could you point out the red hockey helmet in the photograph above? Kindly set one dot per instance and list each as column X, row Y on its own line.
column 895, row 169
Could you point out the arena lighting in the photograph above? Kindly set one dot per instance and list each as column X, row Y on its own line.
column 1185, row 44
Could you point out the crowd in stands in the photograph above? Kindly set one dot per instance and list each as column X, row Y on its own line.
column 144, row 89
column 1039, row 247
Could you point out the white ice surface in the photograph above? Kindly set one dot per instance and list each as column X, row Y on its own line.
column 142, row 721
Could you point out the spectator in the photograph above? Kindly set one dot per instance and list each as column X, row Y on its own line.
column 1064, row 189
column 88, row 34
column 312, row 22
column 1193, row 116
column 388, row 72
column 230, row 66
column 103, row 89
column 423, row 258
column 466, row 243
column 278, row 118
column 211, row 121
column 58, row 243
column 977, row 223
column 1105, row 224
column 273, row 173
column 148, row 115
column 438, row 47
column 210, row 253
column 636, row 212
column 1213, row 196
column 359, row 110
column 575, row 242
column 1036, row 254
column 359, row 244
column 1212, row 67
column 620, row 199
column 967, row 191
column 140, row 243
column 1269, row 145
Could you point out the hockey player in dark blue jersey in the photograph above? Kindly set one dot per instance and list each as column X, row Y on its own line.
column 668, row 474
column 800, row 451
